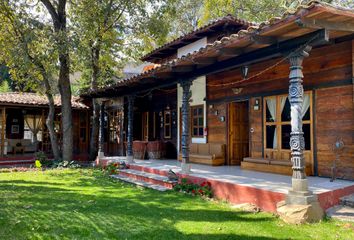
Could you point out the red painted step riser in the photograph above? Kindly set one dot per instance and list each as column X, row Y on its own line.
column 16, row 163
column 146, row 179
column 149, row 170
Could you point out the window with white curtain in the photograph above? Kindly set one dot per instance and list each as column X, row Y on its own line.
column 277, row 122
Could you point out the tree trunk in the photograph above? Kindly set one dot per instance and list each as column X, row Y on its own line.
column 50, row 126
column 95, row 56
column 58, row 14
column 94, row 129
column 65, row 94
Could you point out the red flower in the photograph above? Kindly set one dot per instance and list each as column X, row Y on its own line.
column 200, row 191
column 203, row 184
column 193, row 191
column 209, row 184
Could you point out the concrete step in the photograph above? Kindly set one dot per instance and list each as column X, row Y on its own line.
column 141, row 183
column 15, row 163
column 147, row 177
column 347, row 201
column 340, row 212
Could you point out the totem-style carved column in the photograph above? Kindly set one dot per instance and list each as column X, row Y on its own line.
column 299, row 199
column 186, row 86
column 130, row 157
column 101, row 131
column 296, row 98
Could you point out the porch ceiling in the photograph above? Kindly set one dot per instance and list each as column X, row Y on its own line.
column 258, row 43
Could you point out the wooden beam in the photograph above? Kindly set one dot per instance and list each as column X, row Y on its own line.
column 205, row 60
column 264, row 40
column 231, row 52
column 322, row 23
column 183, row 68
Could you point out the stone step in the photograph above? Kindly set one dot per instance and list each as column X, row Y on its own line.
column 13, row 163
column 347, row 201
column 141, row 183
column 340, row 212
column 147, row 177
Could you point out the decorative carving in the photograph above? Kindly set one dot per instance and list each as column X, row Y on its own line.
column 296, row 95
column 101, row 129
column 186, row 85
column 130, row 125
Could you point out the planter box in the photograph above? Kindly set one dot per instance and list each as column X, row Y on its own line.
column 139, row 149
column 156, row 149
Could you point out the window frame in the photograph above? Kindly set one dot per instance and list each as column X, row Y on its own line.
column 198, row 116
column 167, row 124
column 279, row 123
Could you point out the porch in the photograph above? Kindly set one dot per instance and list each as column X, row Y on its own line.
column 235, row 185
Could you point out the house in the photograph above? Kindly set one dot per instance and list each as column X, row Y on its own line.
column 274, row 97
column 23, row 131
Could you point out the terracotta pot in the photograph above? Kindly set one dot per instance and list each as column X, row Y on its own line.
column 156, row 149
column 139, row 149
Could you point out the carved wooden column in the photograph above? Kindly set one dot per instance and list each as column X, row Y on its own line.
column 186, row 86
column 101, row 132
column 130, row 157
column 300, row 204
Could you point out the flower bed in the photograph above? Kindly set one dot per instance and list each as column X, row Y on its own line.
column 203, row 189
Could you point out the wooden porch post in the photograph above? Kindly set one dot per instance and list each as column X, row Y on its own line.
column 3, row 122
column 130, row 157
column 186, row 86
column 300, row 204
column 101, row 132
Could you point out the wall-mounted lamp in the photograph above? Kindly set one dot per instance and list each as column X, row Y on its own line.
column 236, row 90
column 256, row 105
column 244, row 71
column 222, row 119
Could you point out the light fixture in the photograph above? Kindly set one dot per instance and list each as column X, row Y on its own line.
column 244, row 71
column 256, row 105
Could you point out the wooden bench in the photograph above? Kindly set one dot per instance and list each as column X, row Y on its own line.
column 270, row 166
column 207, row 153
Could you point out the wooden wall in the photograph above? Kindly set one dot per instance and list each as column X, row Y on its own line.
column 256, row 136
column 319, row 69
column 335, row 119
column 328, row 72
column 217, row 130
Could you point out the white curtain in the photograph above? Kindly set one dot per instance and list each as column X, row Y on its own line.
column 272, row 107
column 306, row 105
column 34, row 124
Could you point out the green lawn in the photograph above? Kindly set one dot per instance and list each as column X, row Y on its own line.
column 84, row 204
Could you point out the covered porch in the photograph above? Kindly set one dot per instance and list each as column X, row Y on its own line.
column 235, row 185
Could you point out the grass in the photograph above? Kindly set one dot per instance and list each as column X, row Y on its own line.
column 85, row 204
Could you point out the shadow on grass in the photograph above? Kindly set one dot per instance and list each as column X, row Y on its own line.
column 91, row 206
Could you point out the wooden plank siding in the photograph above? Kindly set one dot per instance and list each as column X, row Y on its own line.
column 319, row 69
column 335, row 119
column 327, row 72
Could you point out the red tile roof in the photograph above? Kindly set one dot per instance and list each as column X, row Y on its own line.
column 197, row 34
column 34, row 99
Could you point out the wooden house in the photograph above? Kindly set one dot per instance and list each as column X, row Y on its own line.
column 23, row 131
column 256, row 95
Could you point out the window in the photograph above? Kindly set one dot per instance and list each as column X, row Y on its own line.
column 277, row 119
column 167, row 124
column 197, row 117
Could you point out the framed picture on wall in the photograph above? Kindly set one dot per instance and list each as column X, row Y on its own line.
column 15, row 129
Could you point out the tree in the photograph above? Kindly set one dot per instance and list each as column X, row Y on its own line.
column 27, row 49
column 107, row 34
column 57, row 11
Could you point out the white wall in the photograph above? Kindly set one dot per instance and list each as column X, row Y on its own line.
column 194, row 46
column 198, row 90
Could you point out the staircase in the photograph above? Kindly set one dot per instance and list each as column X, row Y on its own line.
column 16, row 163
column 142, row 177
column 345, row 210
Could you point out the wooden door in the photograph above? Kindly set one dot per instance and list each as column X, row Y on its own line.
column 238, row 146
